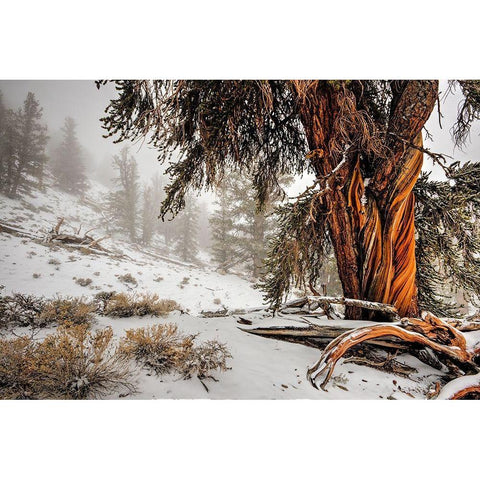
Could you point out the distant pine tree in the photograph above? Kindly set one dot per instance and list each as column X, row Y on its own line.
column 68, row 165
column 152, row 198
column 186, row 230
column 123, row 201
column 8, row 141
column 241, row 233
column 23, row 147
column 224, row 246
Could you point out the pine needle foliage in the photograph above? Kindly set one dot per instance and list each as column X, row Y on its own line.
column 447, row 222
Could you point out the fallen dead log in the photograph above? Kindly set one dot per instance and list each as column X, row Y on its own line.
column 389, row 311
column 312, row 303
column 214, row 314
column 13, row 230
column 315, row 335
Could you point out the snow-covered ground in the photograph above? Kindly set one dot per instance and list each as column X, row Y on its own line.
column 260, row 368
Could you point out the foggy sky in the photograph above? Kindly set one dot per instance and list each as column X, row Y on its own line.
column 81, row 100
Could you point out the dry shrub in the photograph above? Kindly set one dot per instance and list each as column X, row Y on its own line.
column 125, row 305
column 158, row 347
column 128, row 278
column 73, row 363
column 204, row 358
column 102, row 298
column 83, row 282
column 73, row 310
column 164, row 349
column 21, row 310
column 16, row 373
column 36, row 312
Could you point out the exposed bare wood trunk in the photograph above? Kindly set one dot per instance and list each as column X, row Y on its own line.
column 371, row 223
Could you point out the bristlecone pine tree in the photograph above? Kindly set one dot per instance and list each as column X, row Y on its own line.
column 123, row 201
column 68, row 161
column 363, row 141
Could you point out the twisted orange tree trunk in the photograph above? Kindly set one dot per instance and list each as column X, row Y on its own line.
column 371, row 221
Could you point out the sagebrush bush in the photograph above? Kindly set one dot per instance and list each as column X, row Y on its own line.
column 128, row 278
column 158, row 347
column 163, row 349
column 36, row 312
column 102, row 298
column 129, row 305
column 205, row 358
column 70, row 309
column 73, row 363
column 83, row 282
column 21, row 310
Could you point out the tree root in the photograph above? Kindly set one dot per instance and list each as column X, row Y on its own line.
column 438, row 335
column 467, row 387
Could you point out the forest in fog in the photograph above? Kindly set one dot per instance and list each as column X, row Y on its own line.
column 224, row 225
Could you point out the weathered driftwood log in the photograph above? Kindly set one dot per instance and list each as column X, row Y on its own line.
column 319, row 336
column 389, row 311
column 214, row 314
column 441, row 337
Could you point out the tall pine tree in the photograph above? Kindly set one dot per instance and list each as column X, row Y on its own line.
column 241, row 232
column 152, row 198
column 68, row 165
column 224, row 242
column 123, row 201
column 25, row 141
column 186, row 230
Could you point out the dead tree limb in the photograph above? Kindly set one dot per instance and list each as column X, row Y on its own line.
column 312, row 303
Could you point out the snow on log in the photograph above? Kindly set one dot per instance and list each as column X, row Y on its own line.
column 460, row 387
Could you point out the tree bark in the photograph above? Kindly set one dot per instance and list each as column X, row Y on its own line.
column 371, row 223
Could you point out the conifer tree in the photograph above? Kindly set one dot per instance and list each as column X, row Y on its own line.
column 241, row 231
column 224, row 242
column 123, row 201
column 68, row 161
column 7, row 145
column 186, row 231
column 152, row 198
column 26, row 142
